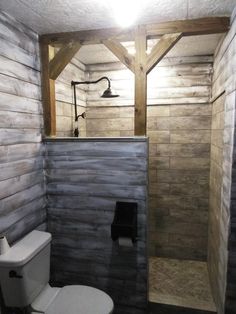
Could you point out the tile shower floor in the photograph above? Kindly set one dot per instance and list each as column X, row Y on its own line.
column 180, row 283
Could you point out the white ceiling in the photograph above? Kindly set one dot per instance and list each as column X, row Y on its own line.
column 49, row 16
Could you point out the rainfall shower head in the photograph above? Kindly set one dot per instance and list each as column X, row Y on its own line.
column 108, row 93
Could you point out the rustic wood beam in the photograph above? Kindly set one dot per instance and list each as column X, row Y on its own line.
column 62, row 58
column 202, row 26
column 121, row 53
column 88, row 36
column 161, row 49
column 51, row 53
column 48, row 92
column 210, row 25
column 140, row 82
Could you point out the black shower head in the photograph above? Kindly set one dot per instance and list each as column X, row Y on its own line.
column 108, row 93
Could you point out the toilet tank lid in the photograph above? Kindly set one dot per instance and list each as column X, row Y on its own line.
column 25, row 249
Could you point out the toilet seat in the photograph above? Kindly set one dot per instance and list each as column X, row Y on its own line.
column 76, row 300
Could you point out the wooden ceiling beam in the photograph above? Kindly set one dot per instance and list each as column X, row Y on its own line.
column 88, row 36
column 62, row 58
column 202, row 26
column 121, row 53
column 161, row 49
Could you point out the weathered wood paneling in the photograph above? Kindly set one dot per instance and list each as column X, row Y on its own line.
column 19, row 54
column 185, row 81
column 221, row 246
column 20, row 104
column 22, row 191
column 216, row 180
column 13, row 86
column 19, row 71
column 85, row 178
column 18, row 34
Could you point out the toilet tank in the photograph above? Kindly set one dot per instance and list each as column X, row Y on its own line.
column 24, row 269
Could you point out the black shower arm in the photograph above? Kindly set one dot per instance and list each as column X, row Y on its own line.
column 73, row 83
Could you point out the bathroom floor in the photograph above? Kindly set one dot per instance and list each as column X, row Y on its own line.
column 180, row 283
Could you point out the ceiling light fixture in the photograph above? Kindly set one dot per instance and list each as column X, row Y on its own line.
column 126, row 12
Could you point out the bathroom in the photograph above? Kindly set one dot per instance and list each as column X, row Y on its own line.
column 179, row 171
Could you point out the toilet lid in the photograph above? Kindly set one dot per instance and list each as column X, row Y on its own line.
column 80, row 300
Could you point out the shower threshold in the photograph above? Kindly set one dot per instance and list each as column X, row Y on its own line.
column 180, row 284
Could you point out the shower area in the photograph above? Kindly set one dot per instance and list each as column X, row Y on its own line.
column 190, row 127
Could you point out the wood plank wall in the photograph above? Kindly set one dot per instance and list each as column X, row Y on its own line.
column 217, row 258
column 179, row 128
column 65, row 115
column 85, row 178
column 221, row 248
column 22, row 191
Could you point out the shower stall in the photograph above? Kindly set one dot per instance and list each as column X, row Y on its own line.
column 190, row 144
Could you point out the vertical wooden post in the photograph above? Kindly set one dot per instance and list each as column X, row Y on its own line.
column 140, row 81
column 48, row 92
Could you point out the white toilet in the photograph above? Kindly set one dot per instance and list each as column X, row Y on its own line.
column 24, row 276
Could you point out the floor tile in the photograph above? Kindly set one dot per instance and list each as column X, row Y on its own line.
column 180, row 283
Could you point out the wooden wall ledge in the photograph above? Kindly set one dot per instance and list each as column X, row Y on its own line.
column 96, row 139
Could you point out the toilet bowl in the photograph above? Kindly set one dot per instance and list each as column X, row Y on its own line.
column 73, row 299
column 24, row 269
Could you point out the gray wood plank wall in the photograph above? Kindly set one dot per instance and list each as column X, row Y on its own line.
column 222, row 233
column 85, row 178
column 22, row 191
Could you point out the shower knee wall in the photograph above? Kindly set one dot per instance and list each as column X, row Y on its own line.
column 85, row 179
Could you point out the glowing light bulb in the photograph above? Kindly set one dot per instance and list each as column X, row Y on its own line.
column 126, row 11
